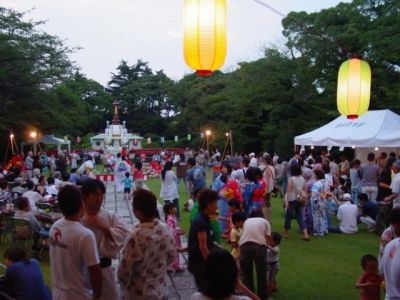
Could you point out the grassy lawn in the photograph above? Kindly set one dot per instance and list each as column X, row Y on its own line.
column 324, row 268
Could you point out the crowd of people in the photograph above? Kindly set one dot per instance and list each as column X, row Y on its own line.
column 322, row 195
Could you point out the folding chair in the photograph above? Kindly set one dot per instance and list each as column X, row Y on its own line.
column 22, row 234
column 45, row 221
column 45, row 207
column 15, row 195
column 5, row 228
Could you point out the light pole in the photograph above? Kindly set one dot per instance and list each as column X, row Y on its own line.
column 33, row 135
column 228, row 141
column 208, row 133
column 12, row 141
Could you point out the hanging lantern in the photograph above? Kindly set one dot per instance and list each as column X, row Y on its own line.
column 354, row 88
column 204, row 38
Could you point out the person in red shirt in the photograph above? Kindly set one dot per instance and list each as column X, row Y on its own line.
column 124, row 152
column 370, row 281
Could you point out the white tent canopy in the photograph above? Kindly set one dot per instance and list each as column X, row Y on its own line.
column 379, row 128
column 376, row 130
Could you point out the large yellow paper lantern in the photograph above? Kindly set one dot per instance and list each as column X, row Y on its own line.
column 354, row 88
column 204, row 38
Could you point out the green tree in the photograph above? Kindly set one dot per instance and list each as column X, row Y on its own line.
column 85, row 104
column 31, row 63
column 144, row 97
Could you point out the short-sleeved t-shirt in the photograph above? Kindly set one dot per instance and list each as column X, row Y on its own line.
column 27, row 280
column 73, row 248
column 200, row 224
column 196, row 175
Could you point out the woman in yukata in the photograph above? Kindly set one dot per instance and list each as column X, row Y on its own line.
column 319, row 193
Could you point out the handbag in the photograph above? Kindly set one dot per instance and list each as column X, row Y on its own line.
column 302, row 197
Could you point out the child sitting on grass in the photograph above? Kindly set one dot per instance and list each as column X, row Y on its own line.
column 370, row 281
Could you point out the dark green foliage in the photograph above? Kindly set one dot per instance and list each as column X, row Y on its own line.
column 143, row 96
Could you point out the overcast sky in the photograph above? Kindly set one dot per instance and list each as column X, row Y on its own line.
column 151, row 30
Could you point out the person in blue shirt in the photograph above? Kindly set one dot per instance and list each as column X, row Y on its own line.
column 195, row 176
column 128, row 183
column 369, row 211
column 23, row 276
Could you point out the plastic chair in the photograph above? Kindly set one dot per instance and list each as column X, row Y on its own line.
column 22, row 234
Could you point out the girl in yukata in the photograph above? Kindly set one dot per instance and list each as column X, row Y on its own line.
column 228, row 188
column 171, row 221
column 254, row 190
column 318, row 204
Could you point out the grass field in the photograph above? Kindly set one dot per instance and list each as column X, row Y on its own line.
column 324, row 268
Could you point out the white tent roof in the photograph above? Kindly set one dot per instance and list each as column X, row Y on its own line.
column 51, row 139
column 379, row 128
